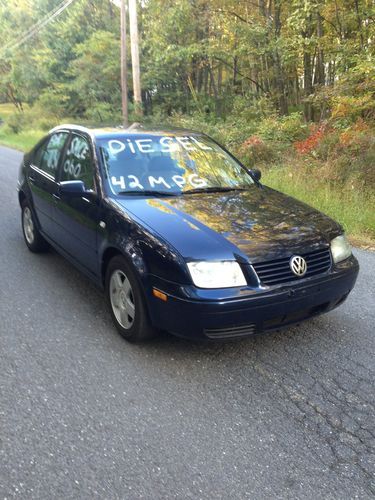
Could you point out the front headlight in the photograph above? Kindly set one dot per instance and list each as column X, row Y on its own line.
column 340, row 249
column 224, row 274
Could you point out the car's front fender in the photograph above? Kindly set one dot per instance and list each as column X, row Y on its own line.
column 146, row 251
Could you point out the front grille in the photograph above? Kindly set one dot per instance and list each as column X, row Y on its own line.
column 228, row 333
column 276, row 272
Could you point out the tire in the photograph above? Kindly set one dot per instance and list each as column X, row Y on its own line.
column 33, row 239
column 126, row 301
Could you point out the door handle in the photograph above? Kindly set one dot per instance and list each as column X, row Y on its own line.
column 56, row 196
column 31, row 179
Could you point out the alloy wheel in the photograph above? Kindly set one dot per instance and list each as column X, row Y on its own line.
column 122, row 299
column 28, row 226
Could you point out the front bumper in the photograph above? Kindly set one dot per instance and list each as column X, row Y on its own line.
column 211, row 316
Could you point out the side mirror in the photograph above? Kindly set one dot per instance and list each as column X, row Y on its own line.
column 72, row 188
column 256, row 173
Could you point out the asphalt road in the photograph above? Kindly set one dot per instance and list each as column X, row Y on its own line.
column 83, row 414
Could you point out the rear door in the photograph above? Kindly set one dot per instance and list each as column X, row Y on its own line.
column 42, row 175
column 77, row 216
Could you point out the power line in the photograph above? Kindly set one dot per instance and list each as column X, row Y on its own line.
column 38, row 23
column 37, row 27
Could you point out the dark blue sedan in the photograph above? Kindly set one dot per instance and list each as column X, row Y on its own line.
column 180, row 234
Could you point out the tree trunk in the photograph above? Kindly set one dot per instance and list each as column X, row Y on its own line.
column 205, row 80
column 235, row 68
column 320, row 70
column 359, row 21
column 308, row 72
column 308, row 88
column 219, row 78
column 279, row 79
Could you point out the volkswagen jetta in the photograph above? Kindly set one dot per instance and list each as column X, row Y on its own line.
column 180, row 234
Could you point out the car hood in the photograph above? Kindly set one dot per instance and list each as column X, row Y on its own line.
column 253, row 225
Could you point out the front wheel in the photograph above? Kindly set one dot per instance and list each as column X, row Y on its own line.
column 126, row 301
column 33, row 239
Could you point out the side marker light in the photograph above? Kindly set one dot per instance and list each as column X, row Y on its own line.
column 159, row 295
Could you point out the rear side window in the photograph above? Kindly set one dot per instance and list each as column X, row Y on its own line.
column 47, row 157
column 77, row 164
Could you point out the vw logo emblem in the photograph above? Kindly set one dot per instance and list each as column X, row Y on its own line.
column 298, row 265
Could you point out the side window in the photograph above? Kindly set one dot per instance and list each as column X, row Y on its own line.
column 78, row 163
column 47, row 157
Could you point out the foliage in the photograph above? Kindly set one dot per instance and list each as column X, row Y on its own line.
column 216, row 58
column 278, row 83
column 95, row 82
column 349, row 156
column 310, row 144
column 255, row 150
column 284, row 129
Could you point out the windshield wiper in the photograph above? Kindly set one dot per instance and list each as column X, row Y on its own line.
column 149, row 192
column 216, row 189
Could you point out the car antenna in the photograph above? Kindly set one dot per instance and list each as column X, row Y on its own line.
column 134, row 125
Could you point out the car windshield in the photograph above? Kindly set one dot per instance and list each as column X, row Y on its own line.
column 169, row 165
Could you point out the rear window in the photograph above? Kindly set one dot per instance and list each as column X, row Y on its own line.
column 48, row 155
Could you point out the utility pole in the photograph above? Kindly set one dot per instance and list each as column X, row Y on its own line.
column 124, row 68
column 135, row 57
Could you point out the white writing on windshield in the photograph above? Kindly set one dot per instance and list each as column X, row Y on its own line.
column 132, row 182
column 164, row 145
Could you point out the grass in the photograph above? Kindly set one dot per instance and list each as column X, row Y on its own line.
column 23, row 141
column 352, row 208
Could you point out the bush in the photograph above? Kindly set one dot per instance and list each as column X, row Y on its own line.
column 356, row 162
column 310, row 144
column 255, row 150
column 347, row 109
column 283, row 129
column 16, row 122
column 349, row 155
column 252, row 141
column 327, row 144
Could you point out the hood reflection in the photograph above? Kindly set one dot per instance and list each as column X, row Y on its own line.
column 261, row 223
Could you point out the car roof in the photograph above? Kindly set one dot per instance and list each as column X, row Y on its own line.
column 134, row 129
